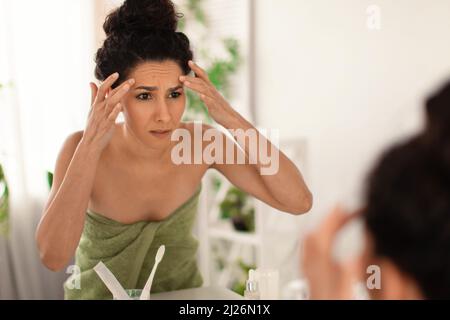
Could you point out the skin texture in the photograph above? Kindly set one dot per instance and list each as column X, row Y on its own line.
column 332, row 280
column 124, row 171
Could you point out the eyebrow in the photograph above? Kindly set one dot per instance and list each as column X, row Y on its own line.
column 156, row 88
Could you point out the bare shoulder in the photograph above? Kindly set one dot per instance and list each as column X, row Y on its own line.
column 74, row 139
column 198, row 128
column 70, row 144
column 68, row 148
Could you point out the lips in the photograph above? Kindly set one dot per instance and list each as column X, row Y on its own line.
column 160, row 133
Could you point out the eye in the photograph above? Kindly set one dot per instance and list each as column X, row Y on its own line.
column 175, row 95
column 144, row 96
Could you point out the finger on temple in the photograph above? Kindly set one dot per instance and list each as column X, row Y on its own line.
column 199, row 88
column 199, row 72
column 101, row 95
column 115, row 97
column 130, row 82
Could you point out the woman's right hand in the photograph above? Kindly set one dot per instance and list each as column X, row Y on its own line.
column 105, row 108
column 328, row 279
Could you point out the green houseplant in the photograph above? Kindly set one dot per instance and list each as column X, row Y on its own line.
column 239, row 285
column 219, row 70
column 237, row 206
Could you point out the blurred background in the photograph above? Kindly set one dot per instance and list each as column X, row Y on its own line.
column 339, row 79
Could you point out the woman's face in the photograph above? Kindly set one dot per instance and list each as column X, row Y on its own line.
column 155, row 104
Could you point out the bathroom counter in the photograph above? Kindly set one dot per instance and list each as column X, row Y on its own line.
column 205, row 293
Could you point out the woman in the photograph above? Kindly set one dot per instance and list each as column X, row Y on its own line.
column 407, row 220
column 117, row 193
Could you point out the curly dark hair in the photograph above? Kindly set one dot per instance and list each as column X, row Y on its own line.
column 408, row 202
column 140, row 31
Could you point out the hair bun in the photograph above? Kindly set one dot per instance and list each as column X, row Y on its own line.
column 142, row 16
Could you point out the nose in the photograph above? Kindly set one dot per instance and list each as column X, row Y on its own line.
column 162, row 114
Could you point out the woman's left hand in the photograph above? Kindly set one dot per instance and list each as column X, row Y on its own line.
column 219, row 109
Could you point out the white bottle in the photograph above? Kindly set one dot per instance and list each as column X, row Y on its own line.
column 268, row 283
column 251, row 287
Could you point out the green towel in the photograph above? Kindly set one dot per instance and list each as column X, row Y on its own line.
column 129, row 251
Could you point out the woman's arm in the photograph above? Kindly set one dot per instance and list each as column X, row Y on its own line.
column 60, row 228
column 282, row 188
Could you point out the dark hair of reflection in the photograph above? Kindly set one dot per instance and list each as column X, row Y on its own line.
column 408, row 202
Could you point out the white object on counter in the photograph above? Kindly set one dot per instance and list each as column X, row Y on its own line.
column 148, row 286
column 116, row 288
column 268, row 282
column 111, row 282
column 251, row 287
column 296, row 290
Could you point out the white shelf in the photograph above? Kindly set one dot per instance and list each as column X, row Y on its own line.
column 211, row 227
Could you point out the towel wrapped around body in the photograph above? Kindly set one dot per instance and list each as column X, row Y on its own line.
column 129, row 251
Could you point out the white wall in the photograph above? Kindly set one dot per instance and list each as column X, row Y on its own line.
column 50, row 61
column 46, row 52
column 323, row 75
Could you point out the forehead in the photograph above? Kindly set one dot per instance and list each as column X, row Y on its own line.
column 151, row 71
